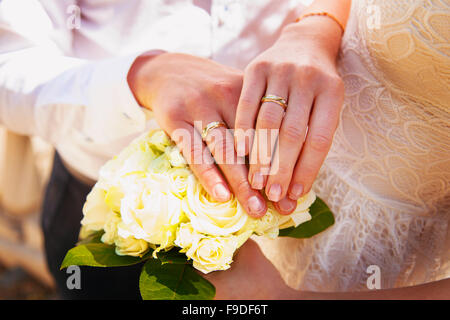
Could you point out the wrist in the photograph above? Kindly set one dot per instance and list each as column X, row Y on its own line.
column 139, row 77
column 317, row 31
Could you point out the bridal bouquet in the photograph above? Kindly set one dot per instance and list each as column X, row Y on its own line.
column 148, row 207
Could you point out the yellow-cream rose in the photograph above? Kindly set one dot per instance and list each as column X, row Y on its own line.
column 175, row 157
column 301, row 213
column 95, row 210
column 215, row 253
column 178, row 181
column 270, row 224
column 267, row 225
column 136, row 158
column 187, row 237
column 110, row 228
column 209, row 216
column 130, row 246
column 151, row 214
column 160, row 140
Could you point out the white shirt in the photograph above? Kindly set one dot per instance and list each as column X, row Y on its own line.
column 63, row 63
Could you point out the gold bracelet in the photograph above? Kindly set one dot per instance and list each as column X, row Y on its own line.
column 326, row 14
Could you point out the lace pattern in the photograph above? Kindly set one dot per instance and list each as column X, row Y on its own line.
column 387, row 176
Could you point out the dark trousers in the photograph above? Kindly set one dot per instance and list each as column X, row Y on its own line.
column 61, row 216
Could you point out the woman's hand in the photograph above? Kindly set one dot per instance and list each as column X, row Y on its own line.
column 186, row 93
column 301, row 68
column 251, row 276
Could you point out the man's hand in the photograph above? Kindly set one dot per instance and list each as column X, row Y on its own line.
column 185, row 94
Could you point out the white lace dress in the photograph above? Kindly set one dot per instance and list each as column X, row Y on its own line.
column 387, row 176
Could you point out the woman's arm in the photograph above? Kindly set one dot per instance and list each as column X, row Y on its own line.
column 253, row 276
column 437, row 290
column 301, row 68
column 339, row 9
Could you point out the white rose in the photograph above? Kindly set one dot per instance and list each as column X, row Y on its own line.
column 209, row 216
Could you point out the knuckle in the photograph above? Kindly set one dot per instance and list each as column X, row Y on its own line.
column 242, row 186
column 281, row 172
column 246, row 103
column 216, row 142
column 270, row 118
column 293, row 133
column 320, row 142
column 194, row 101
column 307, row 72
column 226, row 89
column 284, row 69
column 258, row 67
column 221, row 147
column 196, row 95
column 335, row 84
column 206, row 171
column 173, row 111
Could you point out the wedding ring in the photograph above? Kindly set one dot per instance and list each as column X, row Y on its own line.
column 210, row 126
column 273, row 98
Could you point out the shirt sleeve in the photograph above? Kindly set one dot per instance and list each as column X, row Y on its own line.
column 45, row 92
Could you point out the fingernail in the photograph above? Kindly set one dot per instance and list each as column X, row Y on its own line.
column 220, row 192
column 296, row 191
column 255, row 205
column 258, row 181
column 287, row 205
column 274, row 193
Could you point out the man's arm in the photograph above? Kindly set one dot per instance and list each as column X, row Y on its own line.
column 45, row 92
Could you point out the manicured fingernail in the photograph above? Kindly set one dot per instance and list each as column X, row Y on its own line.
column 255, row 205
column 296, row 191
column 274, row 193
column 220, row 192
column 287, row 205
column 257, row 181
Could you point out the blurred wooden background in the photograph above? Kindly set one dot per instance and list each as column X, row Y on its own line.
column 25, row 165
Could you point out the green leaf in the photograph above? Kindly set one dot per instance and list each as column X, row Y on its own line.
column 322, row 218
column 93, row 238
column 172, row 281
column 98, row 255
column 173, row 256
